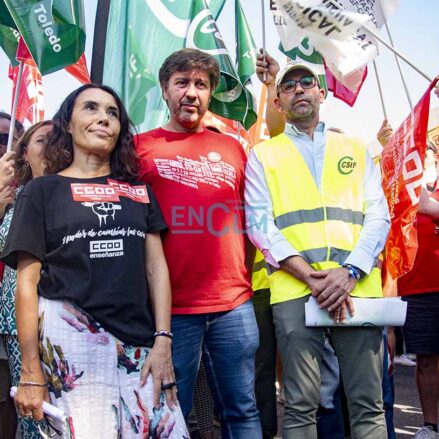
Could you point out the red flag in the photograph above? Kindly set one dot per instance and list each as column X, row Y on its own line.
column 30, row 98
column 402, row 165
column 23, row 53
column 342, row 92
column 79, row 70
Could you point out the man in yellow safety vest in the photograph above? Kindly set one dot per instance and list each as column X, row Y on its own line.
column 318, row 214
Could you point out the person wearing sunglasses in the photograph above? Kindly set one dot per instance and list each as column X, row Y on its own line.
column 325, row 220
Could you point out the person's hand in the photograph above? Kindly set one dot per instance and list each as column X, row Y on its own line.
column 159, row 364
column 268, row 65
column 29, row 399
column 7, row 168
column 436, row 91
column 7, row 196
column 385, row 133
column 315, row 284
column 339, row 314
column 336, row 289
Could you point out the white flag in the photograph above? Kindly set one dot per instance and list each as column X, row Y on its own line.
column 378, row 10
column 332, row 30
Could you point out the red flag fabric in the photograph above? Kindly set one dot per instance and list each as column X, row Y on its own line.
column 23, row 53
column 342, row 92
column 79, row 70
column 30, row 98
column 402, row 165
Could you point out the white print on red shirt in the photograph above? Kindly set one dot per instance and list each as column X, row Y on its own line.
column 209, row 170
column 112, row 191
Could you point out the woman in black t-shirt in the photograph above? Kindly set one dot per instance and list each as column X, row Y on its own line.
column 93, row 293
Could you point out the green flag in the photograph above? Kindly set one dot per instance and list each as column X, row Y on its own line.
column 305, row 51
column 140, row 35
column 246, row 52
column 8, row 34
column 53, row 30
column 230, row 99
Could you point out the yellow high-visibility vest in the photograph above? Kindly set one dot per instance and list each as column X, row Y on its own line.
column 323, row 226
column 259, row 274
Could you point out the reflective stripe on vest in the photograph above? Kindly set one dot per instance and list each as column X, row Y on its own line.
column 316, row 215
column 259, row 273
column 322, row 225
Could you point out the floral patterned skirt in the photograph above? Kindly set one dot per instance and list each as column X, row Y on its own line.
column 94, row 378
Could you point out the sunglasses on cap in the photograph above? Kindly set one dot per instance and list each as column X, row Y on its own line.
column 289, row 86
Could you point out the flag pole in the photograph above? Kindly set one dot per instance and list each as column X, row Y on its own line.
column 380, row 89
column 14, row 107
column 396, row 52
column 264, row 75
column 399, row 67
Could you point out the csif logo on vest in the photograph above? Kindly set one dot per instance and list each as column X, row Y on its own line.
column 346, row 165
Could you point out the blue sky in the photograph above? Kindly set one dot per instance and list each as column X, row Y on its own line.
column 415, row 33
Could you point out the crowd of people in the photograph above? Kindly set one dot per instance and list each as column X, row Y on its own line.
column 155, row 284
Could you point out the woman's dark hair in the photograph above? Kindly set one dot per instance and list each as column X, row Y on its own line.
column 23, row 172
column 58, row 154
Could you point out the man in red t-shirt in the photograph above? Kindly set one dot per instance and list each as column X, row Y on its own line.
column 198, row 178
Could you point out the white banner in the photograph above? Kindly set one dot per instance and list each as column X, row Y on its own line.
column 332, row 30
column 378, row 10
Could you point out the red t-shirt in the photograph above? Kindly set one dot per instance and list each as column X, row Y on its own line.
column 198, row 180
column 423, row 278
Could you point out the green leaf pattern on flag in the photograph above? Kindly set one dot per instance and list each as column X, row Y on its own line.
column 230, row 99
column 305, row 51
column 53, row 30
column 140, row 35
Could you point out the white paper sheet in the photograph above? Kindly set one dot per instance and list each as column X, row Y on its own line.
column 48, row 409
column 368, row 312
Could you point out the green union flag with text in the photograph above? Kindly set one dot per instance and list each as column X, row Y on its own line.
column 140, row 35
column 8, row 34
column 230, row 99
column 54, row 31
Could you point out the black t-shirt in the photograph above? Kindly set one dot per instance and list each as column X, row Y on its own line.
column 90, row 235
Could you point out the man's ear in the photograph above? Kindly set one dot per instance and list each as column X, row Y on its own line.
column 164, row 94
column 277, row 104
column 322, row 95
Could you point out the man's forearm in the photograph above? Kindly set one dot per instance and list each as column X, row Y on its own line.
column 275, row 120
column 297, row 267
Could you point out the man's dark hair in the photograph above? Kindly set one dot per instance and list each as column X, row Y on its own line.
column 58, row 154
column 185, row 60
column 18, row 125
